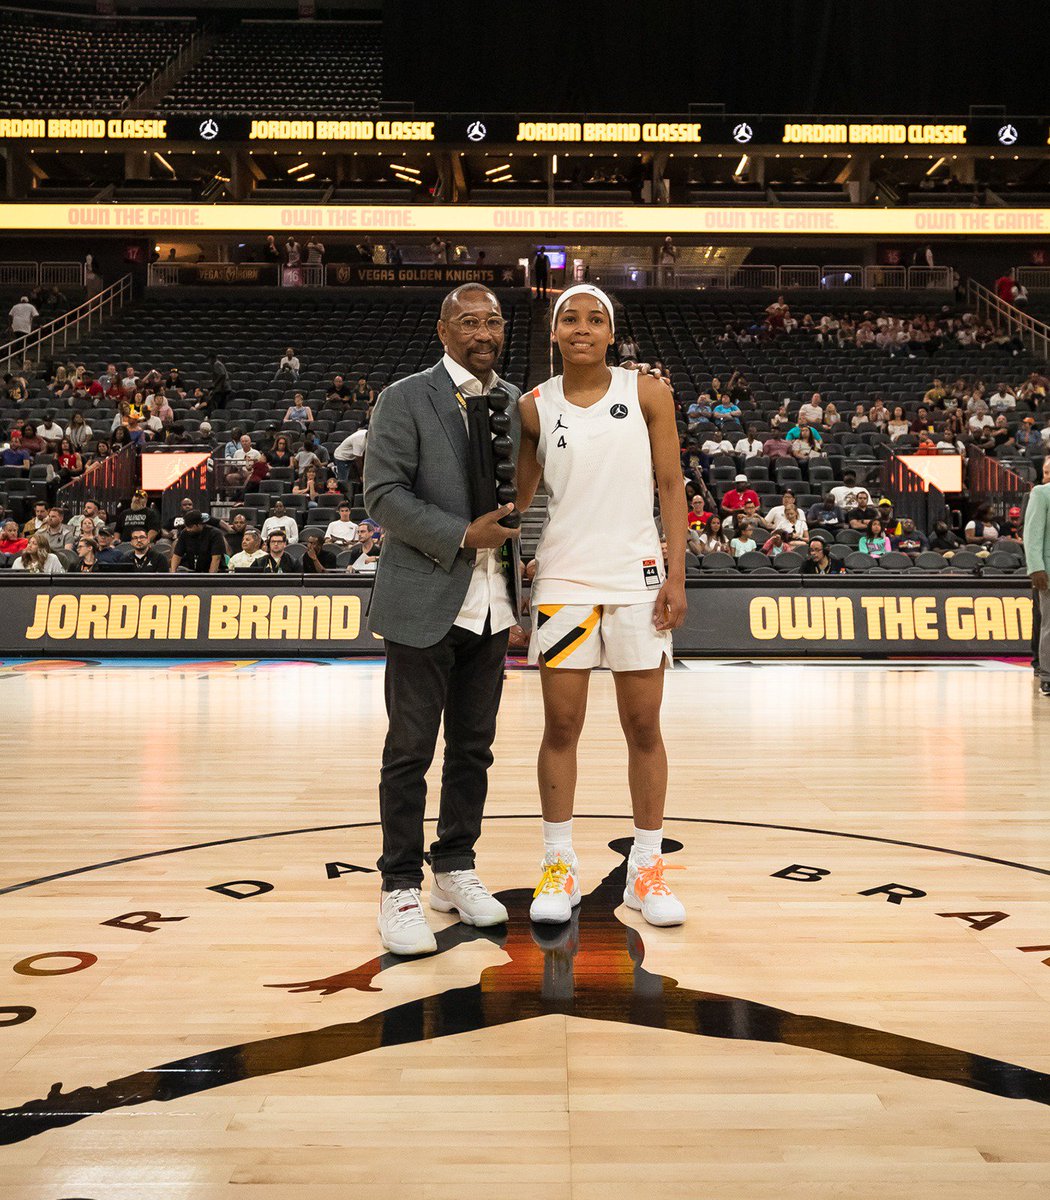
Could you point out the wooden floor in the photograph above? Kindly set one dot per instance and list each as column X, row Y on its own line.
column 794, row 1037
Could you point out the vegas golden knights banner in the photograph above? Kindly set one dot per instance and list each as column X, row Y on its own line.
column 191, row 615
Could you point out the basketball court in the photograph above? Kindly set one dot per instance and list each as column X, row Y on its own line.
column 194, row 1006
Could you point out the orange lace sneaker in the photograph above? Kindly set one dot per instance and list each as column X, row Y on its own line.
column 647, row 891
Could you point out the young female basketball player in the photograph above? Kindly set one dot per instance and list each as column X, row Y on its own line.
column 602, row 595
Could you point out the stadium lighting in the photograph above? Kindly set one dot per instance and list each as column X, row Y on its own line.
column 930, row 170
column 408, row 178
column 299, row 167
column 554, row 163
column 403, row 167
column 740, row 166
column 502, row 178
column 304, row 178
column 497, row 170
column 163, row 161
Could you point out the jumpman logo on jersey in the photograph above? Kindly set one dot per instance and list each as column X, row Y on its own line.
column 560, row 425
column 590, row 968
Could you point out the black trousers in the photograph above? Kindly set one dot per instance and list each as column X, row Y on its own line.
column 1037, row 628
column 461, row 677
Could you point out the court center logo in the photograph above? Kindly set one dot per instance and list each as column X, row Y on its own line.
column 596, row 967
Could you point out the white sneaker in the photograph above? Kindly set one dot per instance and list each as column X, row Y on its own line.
column 402, row 923
column 463, row 892
column 647, row 893
column 558, row 891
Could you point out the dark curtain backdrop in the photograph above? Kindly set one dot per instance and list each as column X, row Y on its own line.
column 773, row 56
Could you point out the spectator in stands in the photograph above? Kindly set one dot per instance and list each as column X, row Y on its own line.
column 1004, row 287
column 666, row 258
column 68, row 462
column 862, row 513
column 271, row 251
column 279, row 519
column 79, row 528
column 314, row 251
column 140, row 515
column 219, row 393
column 748, row 515
column 160, row 408
column 697, row 514
column 982, row 531
column 738, row 495
column 715, row 443
column 50, row 431
column 15, row 453
column 317, row 559
column 38, row 520
column 281, row 454
column 935, row 395
column 233, row 531
column 911, row 540
column 786, row 517
column 38, row 558
column 944, row 540
column 55, row 530
column 244, row 458
column 288, row 368
column 923, row 422
column 33, row 442
column 979, row 422
column 342, row 531
column 743, row 543
column 819, row 562
column 1004, row 398
column 363, row 395
column 307, row 485
column 312, row 453
column 364, row 557
column 349, row 456
column 898, row 425
column 87, row 556
column 627, row 349
column 293, row 254
column 777, row 446
column 780, row 420
column 749, row 445
column 143, row 556
column 826, row 515
column 78, row 431
column 875, row 541
column 249, row 553
column 1029, row 439
column 129, row 382
column 22, row 316
column 299, row 412
column 11, row 541
column 185, row 508
column 199, row 547
column 726, row 409
column 805, row 445
column 860, row 417
column 275, row 561
column 541, row 266
column 812, row 411
column 711, row 538
column 1011, row 530
column 879, row 414
column 333, row 490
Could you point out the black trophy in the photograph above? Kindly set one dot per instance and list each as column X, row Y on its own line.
column 492, row 471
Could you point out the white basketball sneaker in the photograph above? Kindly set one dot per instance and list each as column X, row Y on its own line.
column 463, row 892
column 402, row 923
column 558, row 891
column 647, row 892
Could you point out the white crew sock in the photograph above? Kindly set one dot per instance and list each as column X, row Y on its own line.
column 647, row 842
column 557, row 838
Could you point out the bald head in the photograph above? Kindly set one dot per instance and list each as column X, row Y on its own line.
column 453, row 302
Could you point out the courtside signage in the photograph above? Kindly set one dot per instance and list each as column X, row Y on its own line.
column 540, row 219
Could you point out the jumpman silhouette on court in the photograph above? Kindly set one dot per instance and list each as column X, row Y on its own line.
column 590, row 968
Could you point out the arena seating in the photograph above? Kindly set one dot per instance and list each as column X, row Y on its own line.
column 286, row 69
column 74, row 66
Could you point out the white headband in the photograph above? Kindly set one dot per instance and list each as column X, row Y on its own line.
column 585, row 289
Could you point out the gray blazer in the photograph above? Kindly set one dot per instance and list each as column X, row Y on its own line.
column 417, row 489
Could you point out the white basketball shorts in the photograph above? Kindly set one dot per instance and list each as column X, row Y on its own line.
column 578, row 637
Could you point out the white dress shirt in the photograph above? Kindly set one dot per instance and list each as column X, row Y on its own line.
column 487, row 595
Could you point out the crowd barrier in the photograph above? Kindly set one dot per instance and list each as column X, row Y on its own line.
column 237, row 615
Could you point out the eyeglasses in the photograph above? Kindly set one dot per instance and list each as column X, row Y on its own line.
column 472, row 325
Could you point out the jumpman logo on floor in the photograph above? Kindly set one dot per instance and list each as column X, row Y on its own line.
column 590, row 968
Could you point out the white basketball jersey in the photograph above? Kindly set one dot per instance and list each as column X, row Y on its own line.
column 600, row 543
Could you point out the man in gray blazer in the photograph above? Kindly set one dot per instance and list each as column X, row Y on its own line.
column 442, row 600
